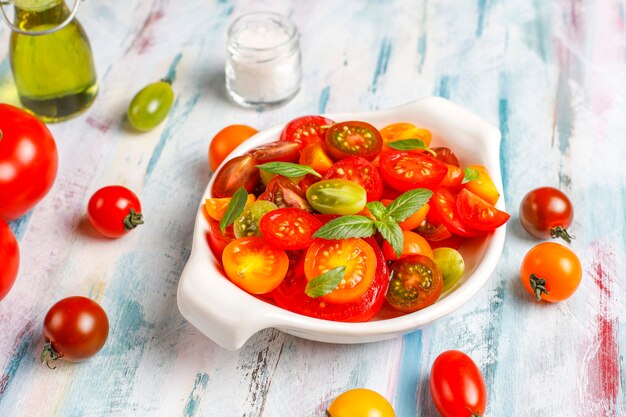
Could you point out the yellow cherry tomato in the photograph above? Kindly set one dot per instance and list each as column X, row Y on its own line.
column 360, row 402
column 483, row 186
column 400, row 131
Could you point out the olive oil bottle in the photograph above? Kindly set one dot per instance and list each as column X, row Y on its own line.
column 54, row 73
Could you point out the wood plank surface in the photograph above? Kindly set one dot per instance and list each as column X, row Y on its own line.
column 550, row 74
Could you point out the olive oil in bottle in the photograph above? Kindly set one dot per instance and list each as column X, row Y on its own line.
column 54, row 73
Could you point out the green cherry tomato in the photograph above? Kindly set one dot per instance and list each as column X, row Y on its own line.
column 337, row 196
column 248, row 223
column 451, row 264
column 150, row 106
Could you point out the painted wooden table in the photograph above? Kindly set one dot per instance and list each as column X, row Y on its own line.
column 550, row 74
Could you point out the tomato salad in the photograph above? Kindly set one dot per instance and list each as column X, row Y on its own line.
column 335, row 219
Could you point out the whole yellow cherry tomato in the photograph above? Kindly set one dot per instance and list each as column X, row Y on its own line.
column 360, row 402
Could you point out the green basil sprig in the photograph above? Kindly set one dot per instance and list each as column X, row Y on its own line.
column 234, row 209
column 288, row 169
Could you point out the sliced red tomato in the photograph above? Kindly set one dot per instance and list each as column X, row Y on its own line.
column 432, row 230
column 454, row 177
column 254, row 264
column 306, row 129
column 216, row 239
column 238, row 172
column 284, row 193
column 353, row 139
column 483, row 186
column 289, row 228
column 282, row 151
column 444, row 209
column 446, row 156
column 290, row 295
column 315, row 156
column 479, row 214
column 360, row 171
column 355, row 254
column 453, row 242
column 405, row 171
column 325, row 218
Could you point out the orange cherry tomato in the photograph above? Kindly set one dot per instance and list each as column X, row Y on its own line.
column 216, row 207
column 414, row 220
column 355, row 254
column 483, row 186
column 314, row 155
column 413, row 244
column 360, row 402
column 400, row 131
column 551, row 272
column 454, row 177
column 254, row 265
column 225, row 141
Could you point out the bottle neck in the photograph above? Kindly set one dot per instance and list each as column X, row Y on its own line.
column 31, row 14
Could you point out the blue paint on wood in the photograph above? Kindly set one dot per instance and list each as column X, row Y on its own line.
column 171, row 73
column 20, row 225
column 482, row 10
column 503, row 116
column 382, row 62
column 443, row 87
column 177, row 118
column 564, row 111
column 324, row 96
column 406, row 394
column 199, row 387
column 422, row 45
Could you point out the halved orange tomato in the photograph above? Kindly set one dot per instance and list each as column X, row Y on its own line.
column 314, row 155
column 413, row 244
column 483, row 186
column 216, row 207
column 400, row 131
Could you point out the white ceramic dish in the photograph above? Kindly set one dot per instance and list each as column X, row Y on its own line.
column 229, row 316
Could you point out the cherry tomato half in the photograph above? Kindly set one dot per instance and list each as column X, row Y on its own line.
column 254, row 265
column 75, row 328
column 400, row 131
column 289, row 228
column 353, row 139
column 433, row 231
column 28, row 161
column 306, row 129
column 446, row 156
column 479, row 214
column 360, row 171
column 456, row 386
column 114, row 211
column 413, row 244
column 483, row 186
column 355, row 254
column 454, row 177
column 406, row 171
column 216, row 207
column 284, row 193
column 547, row 212
column 279, row 150
column 414, row 220
column 216, row 239
column 225, row 141
column 10, row 257
column 337, row 196
column 314, row 155
column 415, row 283
column 551, row 272
column 238, row 172
column 291, row 295
column 444, row 210
column 360, row 402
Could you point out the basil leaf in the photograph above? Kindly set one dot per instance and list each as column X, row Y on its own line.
column 345, row 227
column 392, row 233
column 407, row 204
column 377, row 209
column 288, row 169
column 471, row 174
column 407, row 144
column 325, row 283
column 234, row 209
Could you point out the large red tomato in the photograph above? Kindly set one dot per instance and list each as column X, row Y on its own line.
column 9, row 259
column 28, row 161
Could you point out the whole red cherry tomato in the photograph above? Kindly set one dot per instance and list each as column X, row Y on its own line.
column 457, row 386
column 547, row 212
column 28, row 161
column 9, row 259
column 114, row 211
column 75, row 329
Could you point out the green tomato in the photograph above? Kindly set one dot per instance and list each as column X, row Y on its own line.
column 451, row 264
column 150, row 106
column 337, row 196
column 248, row 223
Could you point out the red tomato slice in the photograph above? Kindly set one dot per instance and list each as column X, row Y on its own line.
column 432, row 230
column 360, row 171
column 290, row 295
column 325, row 218
column 289, row 228
column 275, row 151
column 444, row 209
column 477, row 213
column 284, row 193
column 238, row 172
column 306, row 129
column 453, row 242
column 406, row 171
column 216, row 239
column 454, row 177
column 353, row 139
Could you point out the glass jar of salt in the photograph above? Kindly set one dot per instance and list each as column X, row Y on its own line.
column 263, row 67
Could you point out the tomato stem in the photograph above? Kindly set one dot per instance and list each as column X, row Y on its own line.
column 133, row 219
column 538, row 285
column 48, row 354
column 560, row 232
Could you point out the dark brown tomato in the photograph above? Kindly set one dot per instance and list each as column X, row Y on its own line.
column 238, row 172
